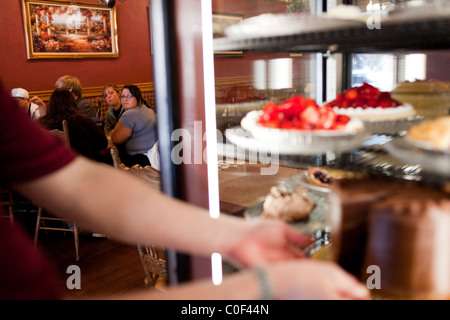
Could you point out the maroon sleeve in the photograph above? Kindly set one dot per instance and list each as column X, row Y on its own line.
column 24, row 272
column 27, row 151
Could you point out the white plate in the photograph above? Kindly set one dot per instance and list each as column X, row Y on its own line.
column 431, row 160
column 254, row 137
column 392, row 127
column 401, row 112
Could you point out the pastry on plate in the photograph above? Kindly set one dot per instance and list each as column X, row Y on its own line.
column 324, row 177
column 432, row 134
column 288, row 206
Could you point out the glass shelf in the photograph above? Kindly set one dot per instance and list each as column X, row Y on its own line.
column 427, row 33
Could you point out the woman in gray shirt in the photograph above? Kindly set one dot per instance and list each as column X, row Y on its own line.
column 136, row 132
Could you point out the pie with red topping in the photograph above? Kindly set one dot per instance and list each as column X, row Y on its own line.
column 300, row 113
column 370, row 104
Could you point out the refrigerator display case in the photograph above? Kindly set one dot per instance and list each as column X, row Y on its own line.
column 393, row 46
column 260, row 56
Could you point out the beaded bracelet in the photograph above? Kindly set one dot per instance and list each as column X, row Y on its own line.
column 264, row 282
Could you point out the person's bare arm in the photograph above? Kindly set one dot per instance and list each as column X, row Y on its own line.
column 41, row 104
column 110, row 201
column 120, row 134
column 113, row 202
column 103, row 198
column 290, row 280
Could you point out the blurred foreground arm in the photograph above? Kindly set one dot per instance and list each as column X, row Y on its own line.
column 291, row 280
column 102, row 198
column 108, row 200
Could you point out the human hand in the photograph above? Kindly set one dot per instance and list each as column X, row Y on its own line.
column 314, row 280
column 267, row 241
column 37, row 101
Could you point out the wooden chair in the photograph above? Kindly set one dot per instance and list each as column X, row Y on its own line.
column 16, row 204
column 66, row 226
column 6, row 200
column 155, row 267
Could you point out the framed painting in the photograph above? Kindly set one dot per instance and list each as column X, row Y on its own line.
column 220, row 22
column 66, row 29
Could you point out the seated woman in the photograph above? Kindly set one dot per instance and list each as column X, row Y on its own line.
column 85, row 136
column 112, row 97
column 136, row 131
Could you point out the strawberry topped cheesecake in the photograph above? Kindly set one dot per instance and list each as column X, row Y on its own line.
column 298, row 126
column 303, row 114
column 370, row 104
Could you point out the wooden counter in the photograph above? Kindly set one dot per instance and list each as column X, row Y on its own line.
column 242, row 185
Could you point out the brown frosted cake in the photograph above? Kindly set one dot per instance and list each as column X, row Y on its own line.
column 350, row 202
column 401, row 227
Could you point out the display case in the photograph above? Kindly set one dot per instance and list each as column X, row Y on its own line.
column 396, row 46
column 271, row 59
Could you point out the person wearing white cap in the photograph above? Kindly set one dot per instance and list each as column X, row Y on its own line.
column 23, row 99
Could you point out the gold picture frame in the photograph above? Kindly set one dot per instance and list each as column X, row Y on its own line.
column 220, row 22
column 66, row 29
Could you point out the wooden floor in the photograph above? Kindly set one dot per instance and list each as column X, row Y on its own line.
column 108, row 267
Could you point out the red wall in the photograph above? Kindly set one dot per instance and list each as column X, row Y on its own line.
column 133, row 66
